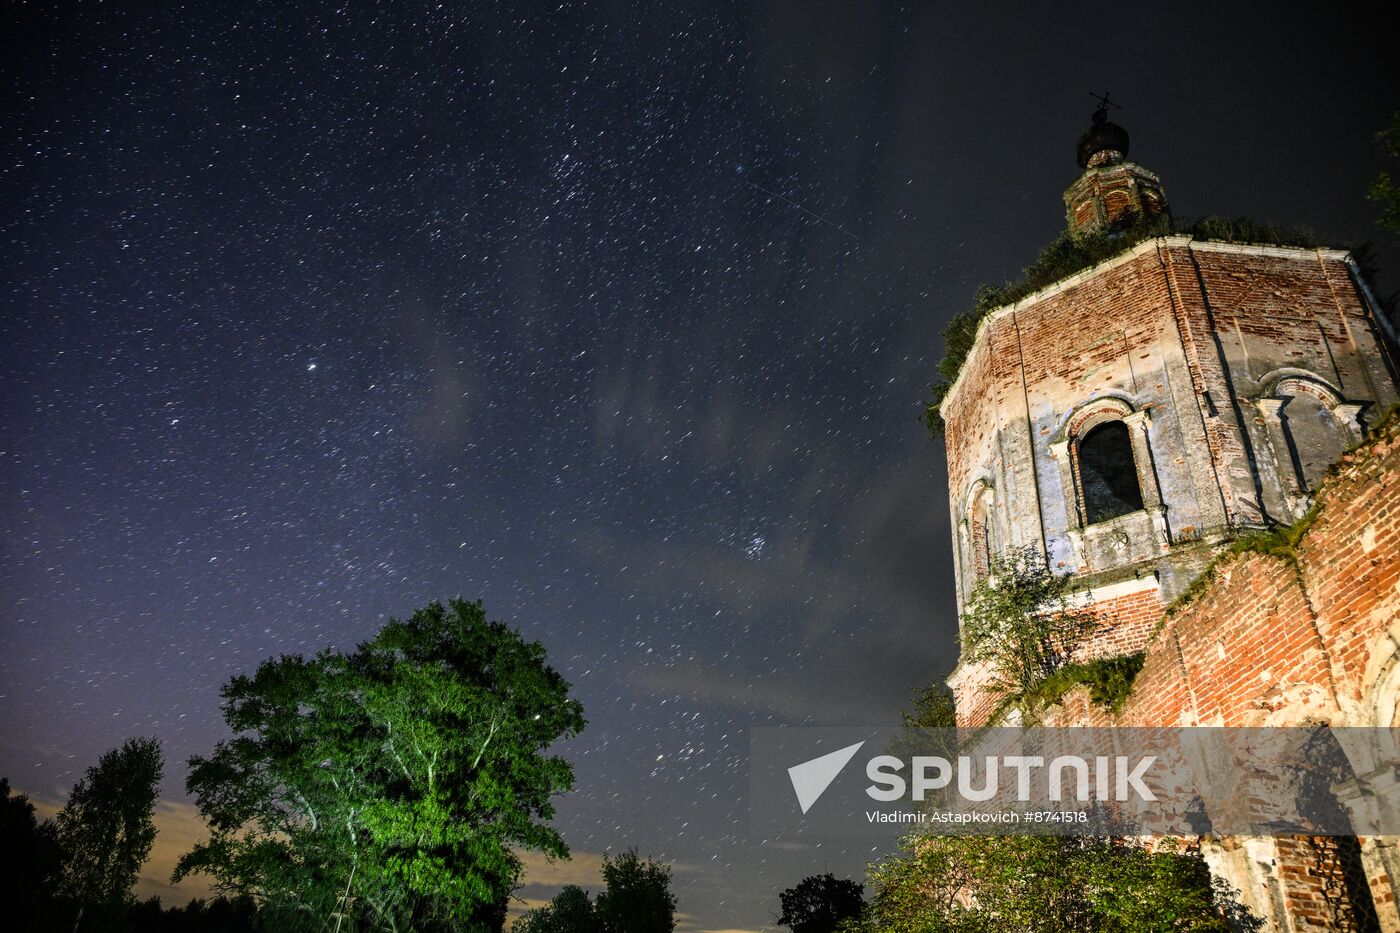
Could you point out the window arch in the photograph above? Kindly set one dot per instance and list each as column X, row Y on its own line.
column 1107, row 472
column 979, row 533
column 1104, row 451
column 1310, row 425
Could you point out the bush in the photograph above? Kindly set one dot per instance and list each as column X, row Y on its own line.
column 1110, row 682
column 1046, row 884
column 1025, row 623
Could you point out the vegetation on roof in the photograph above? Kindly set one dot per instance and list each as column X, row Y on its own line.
column 1385, row 189
column 1070, row 254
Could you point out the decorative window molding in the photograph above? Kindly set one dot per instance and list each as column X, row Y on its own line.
column 1080, row 424
column 1303, row 446
column 978, row 531
column 1282, row 384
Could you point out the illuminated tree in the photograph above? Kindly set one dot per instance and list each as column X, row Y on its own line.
column 388, row 788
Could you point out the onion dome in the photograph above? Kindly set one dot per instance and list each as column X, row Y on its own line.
column 1103, row 143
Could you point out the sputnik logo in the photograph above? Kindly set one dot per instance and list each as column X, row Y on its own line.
column 811, row 778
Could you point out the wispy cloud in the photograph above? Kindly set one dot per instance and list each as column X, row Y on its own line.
column 449, row 406
column 757, row 697
column 584, row 869
column 544, row 877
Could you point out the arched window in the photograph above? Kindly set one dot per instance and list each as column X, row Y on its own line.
column 980, row 535
column 1315, row 426
column 1108, row 478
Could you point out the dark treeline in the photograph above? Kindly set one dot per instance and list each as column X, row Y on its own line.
column 636, row 898
column 75, row 872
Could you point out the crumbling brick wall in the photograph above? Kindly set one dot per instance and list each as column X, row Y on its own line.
column 1285, row 638
column 1220, row 357
column 1309, row 634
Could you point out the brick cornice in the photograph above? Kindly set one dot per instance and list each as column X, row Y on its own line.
column 1146, row 246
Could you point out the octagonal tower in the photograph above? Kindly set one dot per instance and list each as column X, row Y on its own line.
column 1130, row 419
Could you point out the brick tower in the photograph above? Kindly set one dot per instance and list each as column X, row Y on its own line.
column 1128, row 420
column 1113, row 193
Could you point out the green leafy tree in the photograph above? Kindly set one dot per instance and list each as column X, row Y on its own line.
column 1385, row 189
column 388, row 788
column 569, row 912
column 1046, row 884
column 934, row 708
column 821, row 903
column 1024, row 621
column 106, row 829
column 930, row 727
column 637, row 898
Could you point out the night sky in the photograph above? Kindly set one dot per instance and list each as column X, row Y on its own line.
column 616, row 317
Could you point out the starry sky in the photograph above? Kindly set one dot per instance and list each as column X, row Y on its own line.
column 615, row 316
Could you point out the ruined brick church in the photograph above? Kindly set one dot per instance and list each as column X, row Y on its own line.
column 1133, row 420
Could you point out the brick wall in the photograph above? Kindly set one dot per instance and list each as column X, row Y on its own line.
column 1127, row 624
column 1278, row 641
column 1193, row 335
column 1206, row 350
column 1271, row 640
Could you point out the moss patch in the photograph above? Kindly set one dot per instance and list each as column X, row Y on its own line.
column 1110, row 683
column 1280, row 543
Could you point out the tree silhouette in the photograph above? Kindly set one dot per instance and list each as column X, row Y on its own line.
column 106, row 829
column 30, row 860
column 1385, row 189
column 569, row 912
column 820, row 903
column 638, row 896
